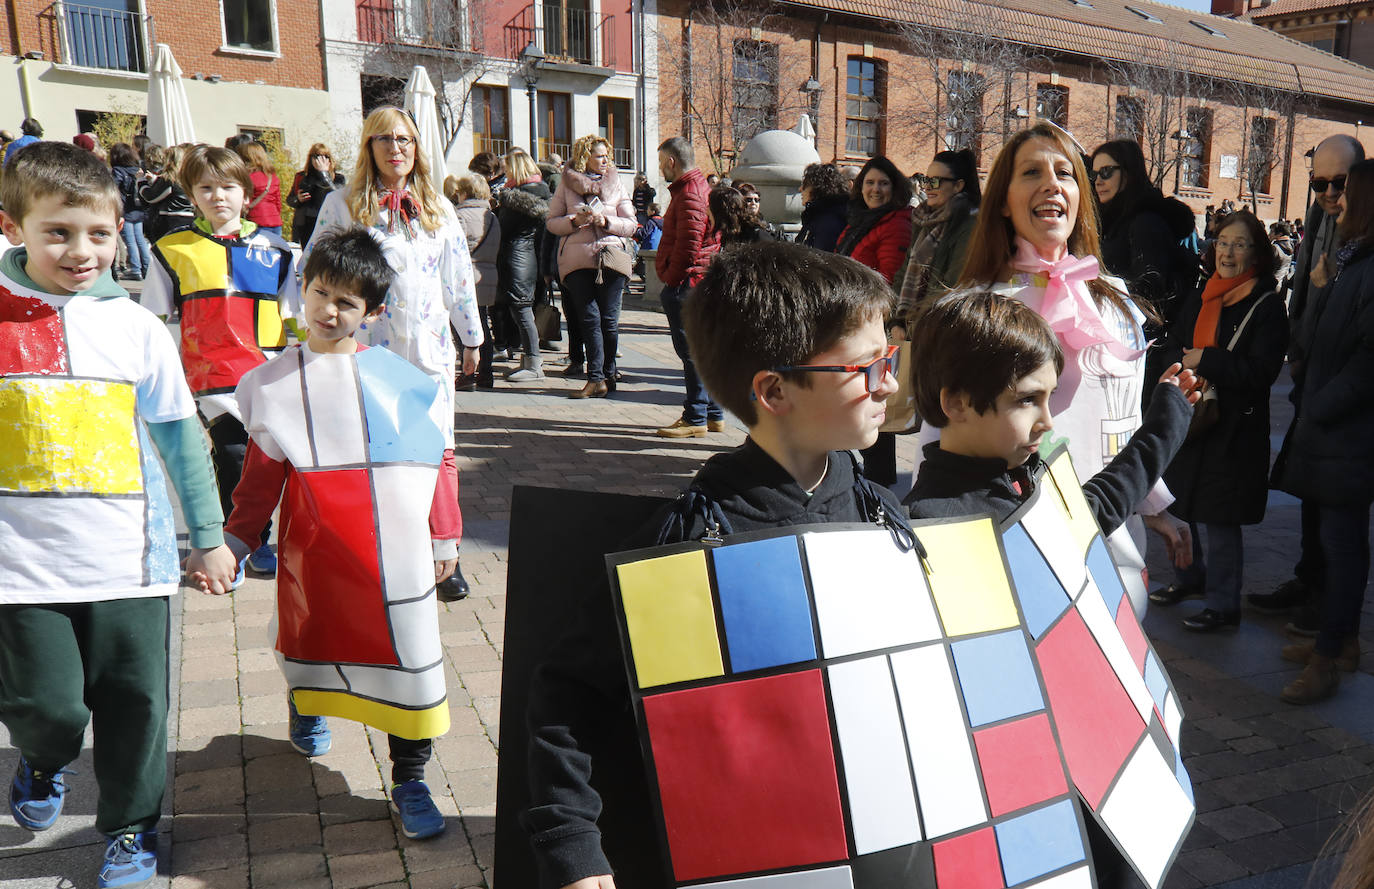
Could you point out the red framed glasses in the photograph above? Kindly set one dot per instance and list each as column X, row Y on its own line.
column 873, row 371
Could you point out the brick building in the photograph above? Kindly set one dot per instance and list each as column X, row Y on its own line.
column 249, row 66
column 1222, row 107
column 1340, row 27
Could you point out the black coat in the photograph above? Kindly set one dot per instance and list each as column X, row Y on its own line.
column 1221, row 476
column 1327, row 457
column 127, row 180
column 823, row 221
column 1140, row 244
column 521, row 212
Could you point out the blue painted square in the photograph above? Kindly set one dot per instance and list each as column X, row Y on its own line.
column 256, row 269
column 1041, row 595
column 996, row 675
column 1103, row 571
column 396, row 400
column 1155, row 681
column 1039, row 842
column 764, row 604
column 1184, row 780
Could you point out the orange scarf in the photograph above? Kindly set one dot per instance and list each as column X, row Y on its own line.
column 1219, row 292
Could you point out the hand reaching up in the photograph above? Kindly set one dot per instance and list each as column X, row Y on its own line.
column 1187, row 380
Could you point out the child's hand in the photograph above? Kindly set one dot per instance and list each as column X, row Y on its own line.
column 212, row 570
column 1187, row 380
column 1178, row 539
column 443, row 569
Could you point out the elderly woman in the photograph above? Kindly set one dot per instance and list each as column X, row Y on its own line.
column 1233, row 332
column 941, row 228
column 471, row 198
column 593, row 217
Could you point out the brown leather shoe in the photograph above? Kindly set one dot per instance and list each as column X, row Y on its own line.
column 1348, row 661
column 591, row 390
column 1316, row 682
column 715, row 425
column 682, row 429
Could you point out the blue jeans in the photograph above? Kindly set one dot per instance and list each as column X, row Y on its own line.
column 598, row 317
column 697, row 407
column 140, row 254
column 1220, row 573
column 1345, row 549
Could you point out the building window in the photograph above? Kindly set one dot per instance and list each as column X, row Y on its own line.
column 865, row 94
column 555, row 125
column 613, row 125
column 1196, row 146
column 490, row 119
column 1259, row 155
column 754, row 77
column 249, row 24
column 965, row 93
column 1052, row 104
column 1130, row 118
column 1325, row 44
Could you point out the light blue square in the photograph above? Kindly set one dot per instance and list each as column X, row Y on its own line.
column 1155, row 681
column 1039, row 842
column 764, row 604
column 997, row 678
column 1039, row 591
column 396, row 400
column 1104, row 574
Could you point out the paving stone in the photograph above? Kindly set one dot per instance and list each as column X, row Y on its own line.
column 351, row 807
column 1252, row 744
column 283, row 801
column 448, row 878
column 1209, row 867
column 209, row 693
column 367, row 869
column 1238, row 822
column 1266, row 853
column 209, row 753
column 200, row 826
column 209, row 791
column 444, row 851
column 281, row 833
column 1297, row 807
column 216, row 853
column 207, row 722
column 359, row 836
column 1222, row 727
column 288, row 869
column 276, row 772
column 233, row 877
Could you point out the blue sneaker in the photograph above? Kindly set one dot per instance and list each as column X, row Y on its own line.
column 263, row 561
column 130, row 858
column 36, row 797
column 310, row 735
column 420, row 818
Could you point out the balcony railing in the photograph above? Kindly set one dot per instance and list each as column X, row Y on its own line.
column 623, row 158
column 482, row 142
column 563, row 34
column 94, row 37
column 410, row 22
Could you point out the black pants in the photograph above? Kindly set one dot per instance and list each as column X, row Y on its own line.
column 598, row 316
column 487, row 349
column 230, row 442
column 408, row 758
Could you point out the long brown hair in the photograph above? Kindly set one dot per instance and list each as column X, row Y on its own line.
column 1359, row 203
column 365, row 185
column 993, row 243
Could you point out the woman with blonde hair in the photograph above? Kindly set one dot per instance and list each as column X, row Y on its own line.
column 592, row 216
column 392, row 194
column 264, row 204
column 521, row 208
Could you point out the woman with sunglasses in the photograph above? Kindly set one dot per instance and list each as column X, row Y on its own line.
column 1326, row 459
column 941, row 228
column 1142, row 238
column 1036, row 239
column 311, row 186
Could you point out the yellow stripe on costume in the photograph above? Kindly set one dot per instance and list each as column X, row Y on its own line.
column 1080, row 517
column 271, row 333
column 59, row 435
column 415, row 725
column 199, row 263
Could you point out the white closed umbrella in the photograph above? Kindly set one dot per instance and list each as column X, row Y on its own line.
column 169, row 114
column 420, row 104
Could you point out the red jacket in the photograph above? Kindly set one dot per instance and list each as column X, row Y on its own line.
column 883, row 249
column 680, row 258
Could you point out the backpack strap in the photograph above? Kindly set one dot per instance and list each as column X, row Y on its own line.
column 873, row 508
column 691, row 504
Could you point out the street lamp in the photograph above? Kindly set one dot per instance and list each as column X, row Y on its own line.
column 531, row 59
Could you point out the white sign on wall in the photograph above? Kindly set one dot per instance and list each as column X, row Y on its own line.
column 1230, row 166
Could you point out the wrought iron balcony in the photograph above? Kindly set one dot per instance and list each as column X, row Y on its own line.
column 97, row 37
column 410, row 23
column 563, row 34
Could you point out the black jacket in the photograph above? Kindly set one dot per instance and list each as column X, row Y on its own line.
column 521, row 212
column 1221, row 476
column 127, row 180
column 580, row 692
column 823, row 220
column 1326, row 457
column 1140, row 244
column 950, row 485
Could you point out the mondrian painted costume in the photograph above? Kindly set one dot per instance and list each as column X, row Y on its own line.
column 348, row 446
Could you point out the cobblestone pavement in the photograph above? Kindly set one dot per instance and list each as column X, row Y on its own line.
column 244, row 810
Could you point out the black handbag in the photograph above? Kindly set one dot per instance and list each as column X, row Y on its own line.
column 549, row 322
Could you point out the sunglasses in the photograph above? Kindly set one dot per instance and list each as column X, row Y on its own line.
column 874, row 371
column 932, row 182
column 1320, row 185
column 398, row 141
column 1105, row 174
column 752, row 199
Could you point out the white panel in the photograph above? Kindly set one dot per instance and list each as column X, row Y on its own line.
column 1147, row 812
column 1108, row 636
column 869, row 594
column 882, row 802
column 1047, row 527
column 311, row 675
column 1078, row 878
column 395, row 686
column 415, row 626
column 941, row 749
column 403, row 496
column 1173, row 718
column 335, row 410
column 825, row 878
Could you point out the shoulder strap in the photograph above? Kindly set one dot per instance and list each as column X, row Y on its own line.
column 871, row 505
column 1244, row 321
column 694, row 503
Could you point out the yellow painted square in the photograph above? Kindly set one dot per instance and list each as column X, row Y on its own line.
column 271, row 332
column 1082, row 524
column 671, row 619
column 968, row 578
column 198, row 262
column 68, row 436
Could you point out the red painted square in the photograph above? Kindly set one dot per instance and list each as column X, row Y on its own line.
column 219, row 341
column 969, row 861
column 746, row 774
column 1097, row 723
column 1132, row 632
column 330, row 606
column 1020, row 762
column 31, row 340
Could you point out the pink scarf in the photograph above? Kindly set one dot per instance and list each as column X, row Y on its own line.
column 403, row 208
column 1069, row 306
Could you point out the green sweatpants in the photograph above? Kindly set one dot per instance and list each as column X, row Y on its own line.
column 62, row 665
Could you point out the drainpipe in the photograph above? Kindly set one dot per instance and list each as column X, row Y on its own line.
column 25, row 87
column 642, row 87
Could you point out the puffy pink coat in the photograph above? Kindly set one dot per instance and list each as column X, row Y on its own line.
column 578, row 246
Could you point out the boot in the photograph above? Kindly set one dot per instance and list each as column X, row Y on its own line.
column 531, row 368
column 1348, row 661
column 1316, row 682
column 591, row 390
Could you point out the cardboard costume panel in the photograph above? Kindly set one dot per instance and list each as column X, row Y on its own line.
column 818, row 708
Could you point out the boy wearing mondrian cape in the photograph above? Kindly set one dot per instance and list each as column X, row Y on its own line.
column 343, row 437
